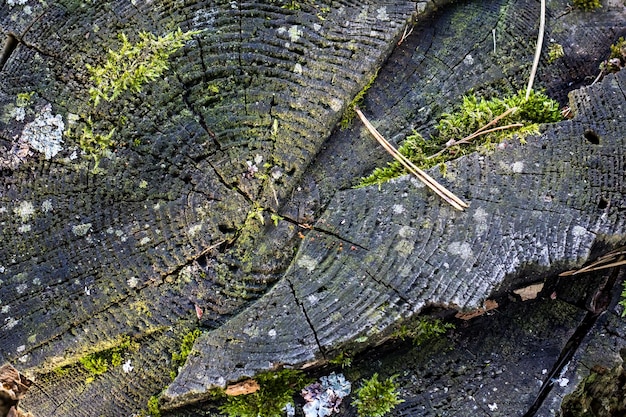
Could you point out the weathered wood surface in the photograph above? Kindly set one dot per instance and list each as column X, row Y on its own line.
column 144, row 259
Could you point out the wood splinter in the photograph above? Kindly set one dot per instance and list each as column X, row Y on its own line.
column 439, row 189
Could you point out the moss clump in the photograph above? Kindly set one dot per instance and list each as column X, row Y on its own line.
column 555, row 51
column 350, row 114
column 153, row 407
column 134, row 64
column 99, row 362
column 587, row 5
column 423, row 330
column 376, row 398
column 179, row 358
column 276, row 390
column 473, row 114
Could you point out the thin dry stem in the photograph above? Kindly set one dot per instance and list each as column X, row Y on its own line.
column 542, row 25
column 439, row 189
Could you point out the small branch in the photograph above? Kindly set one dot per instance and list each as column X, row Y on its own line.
column 610, row 260
column 406, row 34
column 440, row 190
column 542, row 25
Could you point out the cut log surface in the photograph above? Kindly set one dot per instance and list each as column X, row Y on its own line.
column 238, row 134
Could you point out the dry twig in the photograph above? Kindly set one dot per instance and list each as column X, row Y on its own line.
column 439, row 189
column 610, row 260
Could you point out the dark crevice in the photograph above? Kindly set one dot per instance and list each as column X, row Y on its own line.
column 324, row 231
column 395, row 291
column 308, row 320
column 9, row 46
column 598, row 305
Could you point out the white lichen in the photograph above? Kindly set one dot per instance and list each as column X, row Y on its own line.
column 517, row 167
column 45, row 133
column 132, row 282
column 462, row 249
column 127, row 366
column 297, row 69
column 307, row 263
column 25, row 210
column 46, row 206
column 294, row 33
column 381, row 14
column 81, row 229
column 25, row 228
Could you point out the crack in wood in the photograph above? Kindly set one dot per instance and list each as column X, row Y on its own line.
column 9, row 46
column 306, row 316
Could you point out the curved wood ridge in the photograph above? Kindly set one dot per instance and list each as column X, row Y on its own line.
column 91, row 260
column 238, row 134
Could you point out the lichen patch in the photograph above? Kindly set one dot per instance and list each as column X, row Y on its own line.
column 462, row 249
column 25, row 211
column 81, row 229
column 45, row 133
column 307, row 263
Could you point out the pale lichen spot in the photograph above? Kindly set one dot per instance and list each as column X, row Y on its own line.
column 143, row 184
column 297, row 69
column 317, row 27
column 468, row 60
column 397, row 208
column 46, row 206
column 193, row 230
column 25, row 210
column 407, row 232
column 5, row 309
column 381, row 14
column 480, row 220
column 36, row 281
column 25, row 228
column 132, row 282
column 462, row 249
column 21, row 288
column 336, row 104
column 81, row 229
column 579, row 231
column 20, row 348
column 144, row 241
column 272, row 333
column 45, row 133
column 307, row 263
column 421, row 6
column 517, row 167
column 32, row 339
column 404, row 247
column 10, row 322
column 294, row 33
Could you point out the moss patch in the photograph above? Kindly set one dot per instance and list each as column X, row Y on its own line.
column 276, row 390
column 179, row 358
column 376, row 398
column 350, row 114
column 473, row 114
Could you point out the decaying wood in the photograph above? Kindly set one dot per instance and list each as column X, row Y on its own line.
column 194, row 220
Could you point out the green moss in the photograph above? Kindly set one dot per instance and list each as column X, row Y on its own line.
column 98, row 363
column 423, row 330
column 555, row 51
column 179, row 358
column 350, row 114
column 618, row 49
column 342, row 359
column 622, row 301
column 153, row 407
column 276, row 390
column 473, row 114
column 587, row 5
column 376, row 398
column 95, row 364
column 24, row 99
column 134, row 64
